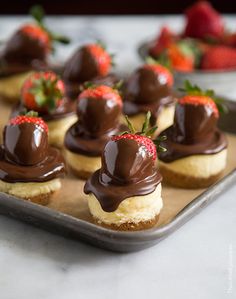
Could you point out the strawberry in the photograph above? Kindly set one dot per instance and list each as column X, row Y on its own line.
column 162, row 42
column 42, row 92
column 101, row 92
column 37, row 33
column 29, row 118
column 102, row 58
column 163, row 73
column 143, row 138
column 219, row 58
column 180, row 60
column 203, row 21
column 195, row 96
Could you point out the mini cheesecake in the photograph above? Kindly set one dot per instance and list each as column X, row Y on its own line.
column 27, row 50
column 196, row 149
column 99, row 111
column 89, row 63
column 29, row 167
column 125, row 193
column 44, row 93
column 149, row 89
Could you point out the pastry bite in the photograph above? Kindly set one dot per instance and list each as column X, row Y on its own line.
column 99, row 111
column 29, row 167
column 149, row 89
column 27, row 50
column 125, row 193
column 196, row 149
column 89, row 63
column 44, row 93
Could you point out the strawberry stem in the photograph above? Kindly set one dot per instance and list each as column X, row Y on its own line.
column 130, row 126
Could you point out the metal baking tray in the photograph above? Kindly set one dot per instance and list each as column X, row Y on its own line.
column 65, row 217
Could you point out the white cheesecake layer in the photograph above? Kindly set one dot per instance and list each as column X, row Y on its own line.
column 82, row 163
column 57, row 129
column 10, row 87
column 131, row 210
column 199, row 166
column 31, row 189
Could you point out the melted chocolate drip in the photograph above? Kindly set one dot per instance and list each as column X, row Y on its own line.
column 127, row 170
column 22, row 53
column 194, row 132
column 145, row 92
column 98, row 121
column 26, row 157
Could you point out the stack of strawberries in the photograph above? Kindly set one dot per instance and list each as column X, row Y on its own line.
column 204, row 44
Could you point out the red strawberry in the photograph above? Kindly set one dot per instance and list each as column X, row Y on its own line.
column 165, row 38
column 38, row 33
column 102, row 58
column 179, row 60
column 163, row 73
column 203, row 21
column 21, row 119
column 200, row 100
column 142, row 141
column 219, row 58
column 42, row 92
column 101, row 92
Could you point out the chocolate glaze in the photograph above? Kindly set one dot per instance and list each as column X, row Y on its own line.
column 26, row 157
column 145, row 92
column 98, row 121
column 66, row 108
column 21, row 54
column 25, row 144
column 127, row 170
column 194, row 132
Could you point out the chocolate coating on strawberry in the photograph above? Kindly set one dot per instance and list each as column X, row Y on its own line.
column 99, row 110
column 128, row 169
column 148, row 89
column 87, row 63
column 195, row 127
column 25, row 155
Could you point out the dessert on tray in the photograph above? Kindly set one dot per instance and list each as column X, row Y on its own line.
column 91, row 63
column 125, row 193
column 26, row 50
column 196, row 149
column 44, row 93
column 99, row 111
column 29, row 167
column 149, row 88
column 204, row 43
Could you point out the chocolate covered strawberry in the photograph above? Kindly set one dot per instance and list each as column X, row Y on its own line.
column 42, row 92
column 99, row 109
column 163, row 73
column 203, row 21
column 26, row 139
column 87, row 63
column 196, row 114
column 133, row 153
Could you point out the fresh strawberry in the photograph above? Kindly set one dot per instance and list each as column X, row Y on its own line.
column 102, row 58
column 163, row 73
column 29, row 118
column 101, row 92
column 42, row 92
column 219, row 58
column 195, row 96
column 203, row 21
column 180, row 60
column 165, row 38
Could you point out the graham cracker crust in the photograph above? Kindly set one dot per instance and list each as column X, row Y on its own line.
column 188, row 182
column 129, row 226
column 42, row 199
